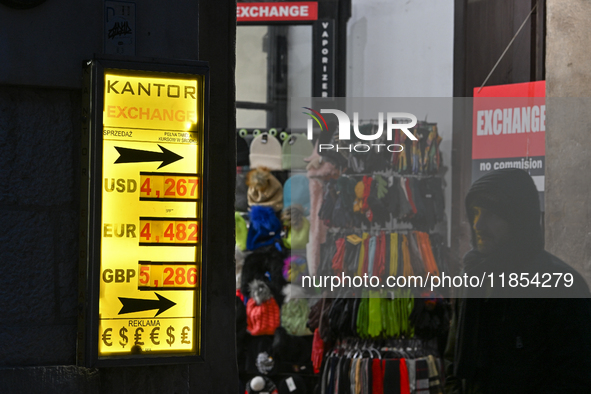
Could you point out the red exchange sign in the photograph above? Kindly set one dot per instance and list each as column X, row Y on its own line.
column 509, row 121
column 277, row 12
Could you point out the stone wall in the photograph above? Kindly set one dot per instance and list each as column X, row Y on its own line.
column 568, row 135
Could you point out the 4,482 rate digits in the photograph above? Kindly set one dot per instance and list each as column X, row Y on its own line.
column 166, row 231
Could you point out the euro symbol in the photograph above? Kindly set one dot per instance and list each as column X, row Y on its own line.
column 124, row 338
column 184, row 335
column 138, row 336
column 154, row 336
column 107, row 337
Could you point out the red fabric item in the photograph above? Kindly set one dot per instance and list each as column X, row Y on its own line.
column 337, row 259
column 365, row 256
column 404, row 383
column 262, row 319
column 366, row 189
column 379, row 265
column 377, row 378
column 317, row 351
column 240, row 295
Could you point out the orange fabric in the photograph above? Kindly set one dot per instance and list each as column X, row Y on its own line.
column 337, row 259
column 407, row 267
column 427, row 253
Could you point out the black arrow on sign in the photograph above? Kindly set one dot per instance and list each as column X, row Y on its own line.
column 131, row 305
column 127, row 155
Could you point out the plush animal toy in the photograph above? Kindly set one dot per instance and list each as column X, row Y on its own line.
column 259, row 291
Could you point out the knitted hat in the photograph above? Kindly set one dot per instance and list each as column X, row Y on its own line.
column 264, row 189
column 295, row 149
column 293, row 385
column 261, row 384
column 264, row 229
column 262, row 319
column 297, row 191
column 298, row 238
column 294, row 316
column 265, row 151
column 294, row 268
column 242, row 151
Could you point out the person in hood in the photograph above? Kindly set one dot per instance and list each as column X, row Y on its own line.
column 531, row 339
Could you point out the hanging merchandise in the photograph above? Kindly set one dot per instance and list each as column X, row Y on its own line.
column 381, row 254
column 379, row 317
column 262, row 312
column 340, row 317
column 328, row 202
column 297, row 227
column 294, row 313
column 294, row 267
column 342, row 215
column 264, row 229
column 261, row 385
column 418, row 157
column 296, row 190
column 352, row 250
column 264, row 189
column 296, row 148
column 429, row 317
column 241, row 231
column 319, row 171
column 264, row 264
column 265, row 151
column 293, row 384
column 355, row 200
column 292, row 353
column 431, row 191
column 402, row 366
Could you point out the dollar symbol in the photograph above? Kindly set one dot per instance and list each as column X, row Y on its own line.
column 138, row 336
column 107, row 337
column 184, row 335
column 124, row 338
column 169, row 333
column 154, row 336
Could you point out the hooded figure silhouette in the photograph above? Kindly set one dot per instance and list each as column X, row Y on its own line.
column 524, row 338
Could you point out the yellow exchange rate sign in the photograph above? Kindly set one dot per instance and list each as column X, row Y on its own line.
column 150, row 267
